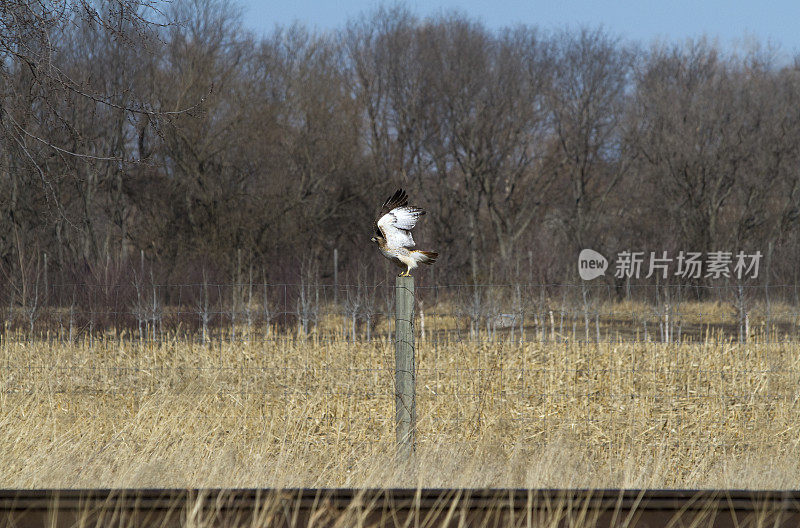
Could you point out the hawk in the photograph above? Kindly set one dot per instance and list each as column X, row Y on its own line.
column 393, row 233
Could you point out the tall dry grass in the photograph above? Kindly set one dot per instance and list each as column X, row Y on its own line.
column 319, row 412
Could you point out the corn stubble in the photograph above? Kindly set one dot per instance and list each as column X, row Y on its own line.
column 318, row 412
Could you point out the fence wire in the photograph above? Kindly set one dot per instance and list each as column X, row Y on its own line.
column 575, row 313
column 517, row 362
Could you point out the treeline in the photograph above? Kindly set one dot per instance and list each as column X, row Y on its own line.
column 174, row 143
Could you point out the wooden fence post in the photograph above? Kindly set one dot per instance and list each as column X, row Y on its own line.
column 405, row 375
column 335, row 277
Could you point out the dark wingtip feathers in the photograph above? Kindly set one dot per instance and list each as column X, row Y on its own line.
column 398, row 199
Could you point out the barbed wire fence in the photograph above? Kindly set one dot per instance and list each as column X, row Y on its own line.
column 514, row 360
column 585, row 312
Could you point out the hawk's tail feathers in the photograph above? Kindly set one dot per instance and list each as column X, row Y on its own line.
column 425, row 257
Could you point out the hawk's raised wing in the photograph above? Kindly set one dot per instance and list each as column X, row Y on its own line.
column 396, row 219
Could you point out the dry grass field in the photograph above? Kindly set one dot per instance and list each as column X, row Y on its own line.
column 318, row 411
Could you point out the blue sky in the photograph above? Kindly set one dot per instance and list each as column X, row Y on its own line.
column 732, row 22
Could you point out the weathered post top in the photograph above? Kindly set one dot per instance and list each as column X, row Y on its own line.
column 405, row 382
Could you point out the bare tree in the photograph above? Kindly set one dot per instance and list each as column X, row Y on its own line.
column 587, row 101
